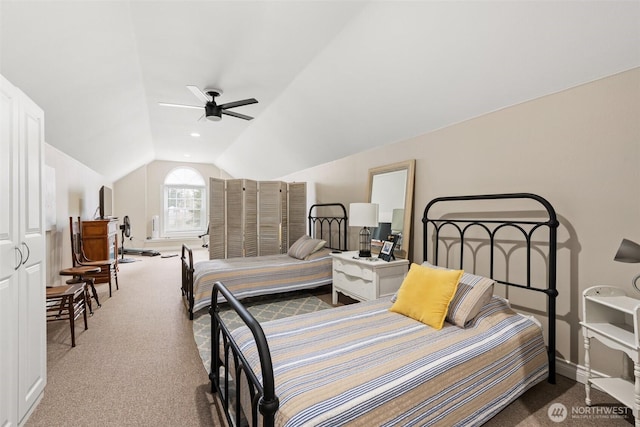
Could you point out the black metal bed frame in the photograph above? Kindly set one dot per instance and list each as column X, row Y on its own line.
column 186, row 259
column 316, row 229
column 318, row 223
column 491, row 227
column 323, row 227
column 262, row 394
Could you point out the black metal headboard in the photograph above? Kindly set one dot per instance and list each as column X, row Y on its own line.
column 332, row 228
column 461, row 224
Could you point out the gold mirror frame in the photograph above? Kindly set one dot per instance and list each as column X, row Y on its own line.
column 388, row 171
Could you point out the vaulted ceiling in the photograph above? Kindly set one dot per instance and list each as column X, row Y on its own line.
column 332, row 77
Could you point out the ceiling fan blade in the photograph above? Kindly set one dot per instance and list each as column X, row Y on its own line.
column 167, row 104
column 199, row 94
column 239, row 103
column 238, row 115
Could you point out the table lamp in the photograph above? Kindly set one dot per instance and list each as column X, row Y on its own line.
column 629, row 252
column 364, row 215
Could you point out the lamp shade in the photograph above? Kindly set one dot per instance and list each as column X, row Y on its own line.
column 363, row 214
column 397, row 220
column 628, row 252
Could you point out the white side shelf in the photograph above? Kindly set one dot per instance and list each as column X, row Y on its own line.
column 618, row 388
column 613, row 318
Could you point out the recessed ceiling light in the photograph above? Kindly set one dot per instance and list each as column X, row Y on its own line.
column 195, row 134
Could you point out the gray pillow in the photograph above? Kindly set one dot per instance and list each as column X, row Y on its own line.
column 305, row 246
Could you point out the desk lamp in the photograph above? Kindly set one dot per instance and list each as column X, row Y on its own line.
column 364, row 215
column 629, row 252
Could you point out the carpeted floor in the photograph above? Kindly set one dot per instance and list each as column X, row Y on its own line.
column 138, row 365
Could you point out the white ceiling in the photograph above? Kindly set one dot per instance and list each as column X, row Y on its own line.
column 332, row 78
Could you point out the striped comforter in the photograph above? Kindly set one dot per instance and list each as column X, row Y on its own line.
column 363, row 365
column 251, row 276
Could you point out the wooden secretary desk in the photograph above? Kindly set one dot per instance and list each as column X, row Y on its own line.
column 100, row 242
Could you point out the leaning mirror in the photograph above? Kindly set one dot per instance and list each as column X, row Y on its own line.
column 391, row 187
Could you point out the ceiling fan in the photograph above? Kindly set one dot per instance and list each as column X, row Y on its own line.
column 213, row 111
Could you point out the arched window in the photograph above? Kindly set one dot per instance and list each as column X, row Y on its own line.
column 185, row 208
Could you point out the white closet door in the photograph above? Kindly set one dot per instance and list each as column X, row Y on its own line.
column 22, row 264
column 32, row 316
column 9, row 256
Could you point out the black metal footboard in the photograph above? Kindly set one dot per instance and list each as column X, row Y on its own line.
column 187, row 277
column 262, row 394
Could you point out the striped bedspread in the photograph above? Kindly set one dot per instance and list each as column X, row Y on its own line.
column 363, row 365
column 262, row 275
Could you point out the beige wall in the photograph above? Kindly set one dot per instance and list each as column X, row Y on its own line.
column 76, row 194
column 139, row 195
column 579, row 148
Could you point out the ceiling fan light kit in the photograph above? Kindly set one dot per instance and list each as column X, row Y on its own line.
column 213, row 111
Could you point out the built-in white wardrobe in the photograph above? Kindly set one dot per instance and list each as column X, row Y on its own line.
column 22, row 261
column 251, row 218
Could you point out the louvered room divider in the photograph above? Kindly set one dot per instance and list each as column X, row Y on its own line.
column 251, row 218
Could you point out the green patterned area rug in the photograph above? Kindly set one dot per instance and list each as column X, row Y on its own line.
column 263, row 308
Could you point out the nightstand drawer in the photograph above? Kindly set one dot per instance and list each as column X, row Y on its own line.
column 356, row 287
column 365, row 279
column 353, row 270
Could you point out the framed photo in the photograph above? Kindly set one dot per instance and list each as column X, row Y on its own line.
column 386, row 253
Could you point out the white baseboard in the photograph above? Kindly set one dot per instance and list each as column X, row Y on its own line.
column 171, row 243
column 575, row 372
column 570, row 370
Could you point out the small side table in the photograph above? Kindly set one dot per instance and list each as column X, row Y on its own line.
column 366, row 278
column 67, row 303
column 78, row 277
column 613, row 318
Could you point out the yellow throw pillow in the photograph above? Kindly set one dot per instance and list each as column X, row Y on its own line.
column 425, row 294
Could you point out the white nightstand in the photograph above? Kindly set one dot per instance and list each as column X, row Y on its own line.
column 613, row 318
column 366, row 278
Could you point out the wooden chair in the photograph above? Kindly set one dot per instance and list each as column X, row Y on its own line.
column 79, row 274
column 109, row 267
column 67, row 303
